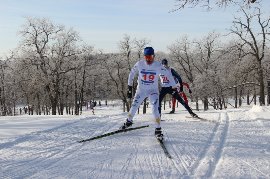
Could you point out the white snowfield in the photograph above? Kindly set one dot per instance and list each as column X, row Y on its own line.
column 236, row 145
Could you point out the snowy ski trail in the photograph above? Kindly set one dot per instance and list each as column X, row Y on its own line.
column 50, row 144
column 236, row 146
column 206, row 165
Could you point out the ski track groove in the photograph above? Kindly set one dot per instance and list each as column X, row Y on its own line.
column 48, row 162
column 202, row 155
column 183, row 167
column 221, row 145
column 212, row 153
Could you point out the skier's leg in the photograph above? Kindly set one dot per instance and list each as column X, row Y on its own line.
column 173, row 105
column 138, row 99
column 185, row 98
column 139, row 96
column 162, row 94
column 154, row 100
column 178, row 97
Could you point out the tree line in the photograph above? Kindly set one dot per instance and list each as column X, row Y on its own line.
column 54, row 72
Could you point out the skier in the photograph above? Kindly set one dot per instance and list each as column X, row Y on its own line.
column 182, row 94
column 148, row 74
column 167, row 88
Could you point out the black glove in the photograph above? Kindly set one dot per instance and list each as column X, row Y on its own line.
column 129, row 92
column 189, row 91
column 181, row 88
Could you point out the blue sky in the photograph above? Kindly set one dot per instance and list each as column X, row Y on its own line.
column 103, row 23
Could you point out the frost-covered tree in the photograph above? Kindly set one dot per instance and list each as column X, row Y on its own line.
column 130, row 51
column 51, row 48
column 126, row 47
column 198, row 63
column 182, row 52
column 139, row 45
column 252, row 30
column 207, row 64
column 118, row 72
column 7, row 86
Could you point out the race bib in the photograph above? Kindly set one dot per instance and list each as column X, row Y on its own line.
column 148, row 77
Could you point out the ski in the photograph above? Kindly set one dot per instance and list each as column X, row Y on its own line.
column 112, row 133
column 165, row 150
column 202, row 119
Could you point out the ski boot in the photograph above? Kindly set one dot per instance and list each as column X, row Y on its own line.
column 158, row 134
column 172, row 111
column 126, row 125
column 194, row 115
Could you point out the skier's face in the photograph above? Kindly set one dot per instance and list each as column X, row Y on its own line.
column 149, row 59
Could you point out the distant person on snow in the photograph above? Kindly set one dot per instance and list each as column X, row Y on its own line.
column 148, row 71
column 167, row 88
column 182, row 94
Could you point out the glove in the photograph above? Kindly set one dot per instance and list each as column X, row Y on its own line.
column 189, row 91
column 129, row 92
column 181, row 88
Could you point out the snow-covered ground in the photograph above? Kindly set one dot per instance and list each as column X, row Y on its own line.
column 236, row 145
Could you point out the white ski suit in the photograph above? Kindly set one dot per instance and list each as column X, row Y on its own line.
column 148, row 77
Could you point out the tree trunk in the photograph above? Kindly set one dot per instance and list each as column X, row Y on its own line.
column 205, row 104
column 38, row 110
column 255, row 95
column 214, row 103
column 77, row 106
column 54, row 107
column 220, row 103
column 14, row 108
column 268, row 96
column 53, row 98
column 235, row 97
column 261, row 81
column 82, row 89
column 240, row 97
column 61, row 106
column 197, row 104
column 124, row 106
column 248, row 102
column 224, row 103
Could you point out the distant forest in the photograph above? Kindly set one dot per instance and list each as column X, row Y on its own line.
column 54, row 72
